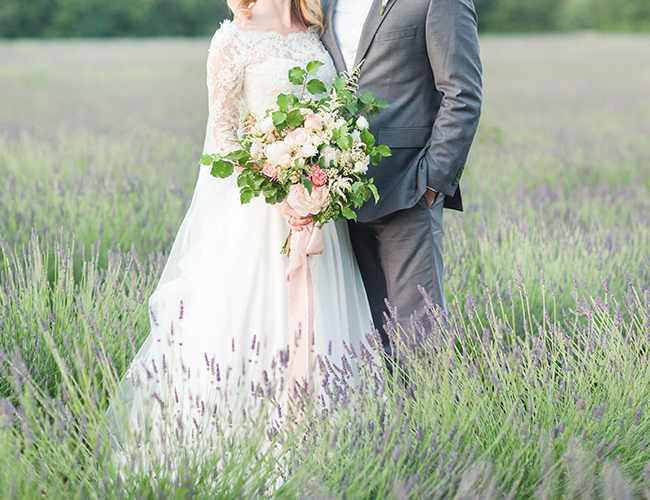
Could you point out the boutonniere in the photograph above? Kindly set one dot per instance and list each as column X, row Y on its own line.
column 383, row 7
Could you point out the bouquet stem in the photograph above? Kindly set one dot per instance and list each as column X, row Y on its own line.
column 286, row 247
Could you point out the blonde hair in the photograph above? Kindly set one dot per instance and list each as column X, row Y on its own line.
column 308, row 11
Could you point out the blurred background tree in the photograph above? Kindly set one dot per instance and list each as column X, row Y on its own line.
column 104, row 18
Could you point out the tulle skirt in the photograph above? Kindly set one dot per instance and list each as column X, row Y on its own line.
column 219, row 317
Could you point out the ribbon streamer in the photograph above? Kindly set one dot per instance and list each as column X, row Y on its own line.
column 304, row 243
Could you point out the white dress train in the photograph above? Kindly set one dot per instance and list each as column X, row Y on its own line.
column 219, row 316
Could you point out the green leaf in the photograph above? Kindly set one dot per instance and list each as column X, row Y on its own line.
column 269, row 191
column 382, row 104
column 383, row 150
column 348, row 213
column 313, row 67
column 239, row 156
column 344, row 142
column 304, row 180
column 367, row 98
column 316, row 87
column 279, row 119
column 222, row 168
column 373, row 188
column 297, row 75
column 286, row 100
column 354, row 108
column 208, row 159
column 246, row 194
column 375, row 158
column 294, row 118
column 347, row 95
column 367, row 138
column 339, row 83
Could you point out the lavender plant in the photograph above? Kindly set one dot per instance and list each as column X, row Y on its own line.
column 532, row 385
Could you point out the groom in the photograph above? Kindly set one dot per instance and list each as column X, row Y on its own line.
column 422, row 56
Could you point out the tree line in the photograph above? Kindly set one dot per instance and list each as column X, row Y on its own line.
column 106, row 18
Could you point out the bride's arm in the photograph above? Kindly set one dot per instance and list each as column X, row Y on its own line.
column 226, row 63
column 225, row 78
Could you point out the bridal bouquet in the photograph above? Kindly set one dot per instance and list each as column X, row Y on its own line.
column 313, row 151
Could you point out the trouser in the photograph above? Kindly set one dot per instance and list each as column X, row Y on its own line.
column 396, row 253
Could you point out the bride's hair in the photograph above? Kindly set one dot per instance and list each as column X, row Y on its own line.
column 309, row 11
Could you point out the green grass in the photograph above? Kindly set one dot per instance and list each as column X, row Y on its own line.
column 537, row 390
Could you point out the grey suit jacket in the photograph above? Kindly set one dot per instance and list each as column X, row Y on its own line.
column 422, row 56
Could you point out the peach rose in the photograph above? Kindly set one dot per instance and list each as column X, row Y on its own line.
column 305, row 203
column 275, row 150
column 313, row 121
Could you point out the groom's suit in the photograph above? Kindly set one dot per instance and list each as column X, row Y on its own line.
column 422, row 56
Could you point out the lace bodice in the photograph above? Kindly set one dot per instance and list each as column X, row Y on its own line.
column 248, row 69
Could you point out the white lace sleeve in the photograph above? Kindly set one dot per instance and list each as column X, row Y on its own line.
column 225, row 77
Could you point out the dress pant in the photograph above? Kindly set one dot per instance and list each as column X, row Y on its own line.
column 398, row 252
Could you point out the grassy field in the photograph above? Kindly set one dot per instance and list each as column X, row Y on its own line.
column 538, row 389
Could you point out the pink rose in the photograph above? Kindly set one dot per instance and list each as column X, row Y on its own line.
column 275, row 150
column 313, row 121
column 318, row 177
column 270, row 170
column 299, row 136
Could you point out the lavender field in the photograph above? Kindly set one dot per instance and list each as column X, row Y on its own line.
column 538, row 387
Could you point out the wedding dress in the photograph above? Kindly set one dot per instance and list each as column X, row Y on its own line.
column 219, row 316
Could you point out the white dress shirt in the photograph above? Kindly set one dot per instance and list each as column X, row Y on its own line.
column 349, row 17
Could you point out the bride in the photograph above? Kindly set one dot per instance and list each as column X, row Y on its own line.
column 220, row 314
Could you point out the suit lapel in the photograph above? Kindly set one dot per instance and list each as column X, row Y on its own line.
column 370, row 27
column 329, row 37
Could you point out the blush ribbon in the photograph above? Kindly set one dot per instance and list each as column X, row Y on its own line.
column 304, row 243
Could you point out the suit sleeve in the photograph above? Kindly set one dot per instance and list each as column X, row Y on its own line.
column 453, row 50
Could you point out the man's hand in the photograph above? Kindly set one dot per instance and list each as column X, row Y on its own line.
column 430, row 196
column 294, row 221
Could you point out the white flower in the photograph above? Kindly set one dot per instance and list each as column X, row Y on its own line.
column 330, row 155
column 356, row 135
column 339, row 123
column 256, row 149
column 308, row 150
column 362, row 123
column 305, row 203
column 360, row 167
column 267, row 125
column 342, row 185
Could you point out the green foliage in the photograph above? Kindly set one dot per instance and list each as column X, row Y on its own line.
column 622, row 15
column 517, row 15
column 100, row 18
column 19, row 18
